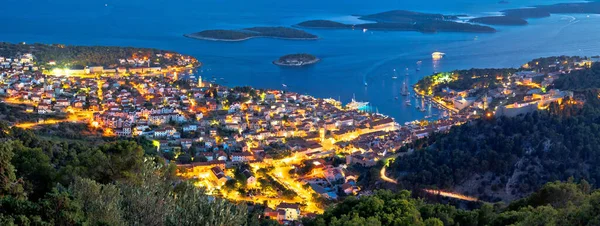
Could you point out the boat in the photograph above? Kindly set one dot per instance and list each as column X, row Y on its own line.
column 356, row 105
column 364, row 30
column 366, row 84
column 394, row 77
column 405, row 91
column 437, row 55
column 407, row 102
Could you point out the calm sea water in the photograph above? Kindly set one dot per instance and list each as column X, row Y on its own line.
column 349, row 58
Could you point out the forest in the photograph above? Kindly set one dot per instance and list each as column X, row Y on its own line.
column 556, row 203
column 45, row 182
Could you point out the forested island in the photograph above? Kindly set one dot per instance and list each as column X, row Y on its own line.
column 401, row 20
column 253, row 32
column 59, row 55
column 500, row 20
column 296, row 60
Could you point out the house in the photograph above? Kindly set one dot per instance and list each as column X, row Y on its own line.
column 386, row 124
column 349, row 188
column 219, row 175
column 186, row 143
column 221, row 156
column 334, row 174
column 250, row 178
column 461, row 102
column 291, row 211
column 241, row 157
column 208, row 155
column 190, row 128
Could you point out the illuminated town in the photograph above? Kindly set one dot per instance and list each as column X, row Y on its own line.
column 290, row 152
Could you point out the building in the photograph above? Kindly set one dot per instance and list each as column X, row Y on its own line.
column 218, row 175
column 242, row 157
column 291, row 210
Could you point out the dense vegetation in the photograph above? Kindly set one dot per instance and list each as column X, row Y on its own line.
column 461, row 80
column 401, row 20
column 253, row 32
column 79, row 56
column 580, row 80
column 499, row 20
column 506, row 158
column 554, row 204
column 58, row 183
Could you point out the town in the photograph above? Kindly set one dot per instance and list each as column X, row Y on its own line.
column 292, row 153
column 500, row 92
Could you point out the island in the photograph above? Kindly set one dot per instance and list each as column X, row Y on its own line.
column 67, row 56
column 296, row 60
column 401, row 20
column 499, row 20
column 253, row 32
column 592, row 7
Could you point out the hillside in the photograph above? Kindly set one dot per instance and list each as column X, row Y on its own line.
column 507, row 158
column 554, row 204
column 46, row 182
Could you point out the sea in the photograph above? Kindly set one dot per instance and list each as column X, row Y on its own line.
column 350, row 58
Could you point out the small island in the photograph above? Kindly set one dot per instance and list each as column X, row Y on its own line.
column 401, row 20
column 500, row 20
column 296, row 60
column 253, row 32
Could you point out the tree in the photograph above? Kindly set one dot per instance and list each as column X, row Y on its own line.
column 34, row 166
column 124, row 160
column 194, row 207
column 148, row 200
column 60, row 208
column 100, row 203
column 8, row 179
column 433, row 222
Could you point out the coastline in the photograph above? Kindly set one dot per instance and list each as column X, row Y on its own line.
column 192, row 36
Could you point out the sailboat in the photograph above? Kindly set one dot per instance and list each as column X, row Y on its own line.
column 419, row 65
column 405, row 91
column 394, row 77
column 422, row 106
